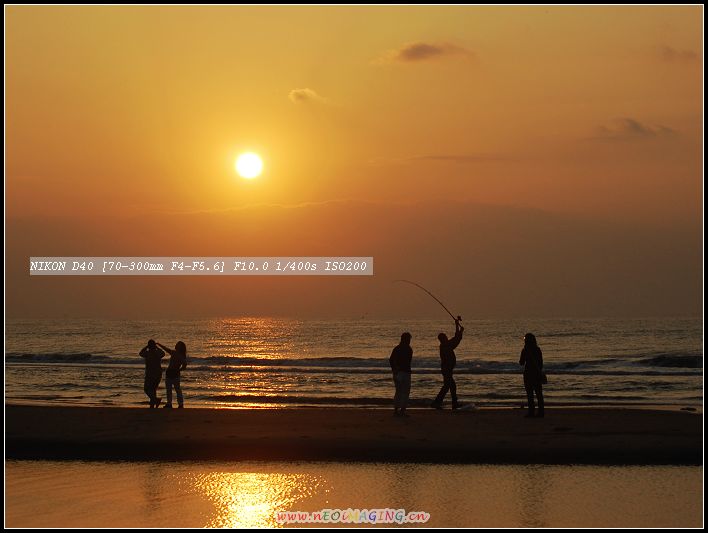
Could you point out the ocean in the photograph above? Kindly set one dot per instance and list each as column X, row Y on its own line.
column 277, row 362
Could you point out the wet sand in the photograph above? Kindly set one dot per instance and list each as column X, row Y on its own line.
column 566, row 436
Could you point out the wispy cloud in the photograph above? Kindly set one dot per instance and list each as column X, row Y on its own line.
column 418, row 52
column 462, row 159
column 307, row 96
column 674, row 55
column 622, row 129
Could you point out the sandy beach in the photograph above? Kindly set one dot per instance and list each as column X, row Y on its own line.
column 566, row 436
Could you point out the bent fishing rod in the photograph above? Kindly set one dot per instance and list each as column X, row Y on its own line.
column 456, row 319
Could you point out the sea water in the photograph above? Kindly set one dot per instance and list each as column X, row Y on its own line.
column 276, row 362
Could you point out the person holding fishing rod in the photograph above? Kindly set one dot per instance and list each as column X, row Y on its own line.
column 447, row 366
column 447, row 354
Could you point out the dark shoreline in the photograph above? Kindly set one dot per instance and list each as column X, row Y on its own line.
column 601, row 436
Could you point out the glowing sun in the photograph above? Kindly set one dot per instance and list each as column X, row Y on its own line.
column 249, row 165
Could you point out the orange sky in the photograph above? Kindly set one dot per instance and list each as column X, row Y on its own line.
column 590, row 115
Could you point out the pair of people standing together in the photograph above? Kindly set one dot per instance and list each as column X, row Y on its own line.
column 531, row 359
column 153, row 354
column 400, row 361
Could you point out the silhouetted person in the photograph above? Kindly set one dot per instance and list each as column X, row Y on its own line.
column 153, row 371
column 447, row 365
column 532, row 359
column 178, row 362
column 400, row 361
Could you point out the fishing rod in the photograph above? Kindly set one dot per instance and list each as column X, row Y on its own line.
column 456, row 319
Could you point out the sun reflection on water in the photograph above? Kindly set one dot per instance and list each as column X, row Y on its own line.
column 260, row 337
column 250, row 499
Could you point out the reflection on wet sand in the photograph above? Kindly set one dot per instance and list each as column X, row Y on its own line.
column 119, row 494
column 249, row 499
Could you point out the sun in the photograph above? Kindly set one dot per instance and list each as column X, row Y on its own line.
column 249, row 165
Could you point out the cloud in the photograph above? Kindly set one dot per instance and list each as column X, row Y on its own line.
column 461, row 159
column 631, row 129
column 673, row 55
column 306, row 96
column 421, row 51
